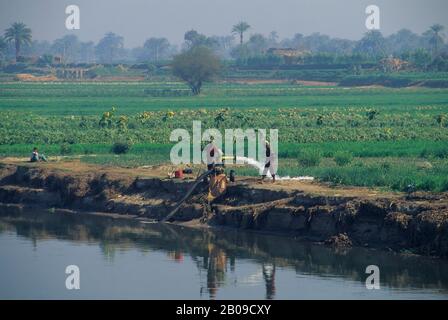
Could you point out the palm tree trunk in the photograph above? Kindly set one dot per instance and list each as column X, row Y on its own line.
column 436, row 45
column 241, row 38
column 17, row 43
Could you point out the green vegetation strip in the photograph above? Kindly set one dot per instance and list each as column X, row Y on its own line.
column 376, row 137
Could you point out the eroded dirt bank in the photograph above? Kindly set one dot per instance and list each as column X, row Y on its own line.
column 336, row 216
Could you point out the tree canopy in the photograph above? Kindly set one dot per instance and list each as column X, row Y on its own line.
column 240, row 28
column 110, row 46
column 20, row 34
column 195, row 66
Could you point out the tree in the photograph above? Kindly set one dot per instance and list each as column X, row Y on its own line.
column 296, row 42
column 20, row 34
column 87, row 52
column 273, row 38
column 3, row 47
column 195, row 66
column 403, row 41
column 67, row 48
column 223, row 45
column 421, row 58
column 257, row 44
column 109, row 47
column 240, row 28
column 241, row 53
column 37, row 48
column 440, row 63
column 195, row 39
column 156, row 48
column 46, row 60
column 435, row 37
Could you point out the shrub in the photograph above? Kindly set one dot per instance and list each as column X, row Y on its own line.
column 15, row 68
column 371, row 114
column 383, row 80
column 65, row 148
column 121, row 147
column 442, row 153
column 343, row 158
column 435, row 83
column 310, row 158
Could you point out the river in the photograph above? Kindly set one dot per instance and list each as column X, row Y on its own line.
column 126, row 259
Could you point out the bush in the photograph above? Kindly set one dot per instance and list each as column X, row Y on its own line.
column 343, row 158
column 121, row 147
column 442, row 154
column 435, row 83
column 310, row 158
column 383, row 80
column 15, row 68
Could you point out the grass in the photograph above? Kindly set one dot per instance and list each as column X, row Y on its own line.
column 388, row 173
column 388, row 170
column 71, row 98
column 367, row 149
column 381, row 137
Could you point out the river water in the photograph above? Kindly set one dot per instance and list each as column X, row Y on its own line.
column 118, row 258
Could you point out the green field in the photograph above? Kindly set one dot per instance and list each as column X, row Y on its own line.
column 388, row 137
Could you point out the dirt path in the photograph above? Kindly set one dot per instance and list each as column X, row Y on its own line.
column 313, row 187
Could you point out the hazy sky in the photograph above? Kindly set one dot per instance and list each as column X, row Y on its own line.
column 138, row 20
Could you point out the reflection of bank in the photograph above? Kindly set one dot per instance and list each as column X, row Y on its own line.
column 266, row 252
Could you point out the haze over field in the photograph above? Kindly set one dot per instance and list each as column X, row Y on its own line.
column 136, row 20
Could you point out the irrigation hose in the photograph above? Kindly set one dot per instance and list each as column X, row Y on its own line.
column 187, row 195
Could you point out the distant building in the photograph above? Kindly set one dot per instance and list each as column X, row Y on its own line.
column 287, row 52
column 290, row 55
column 392, row 64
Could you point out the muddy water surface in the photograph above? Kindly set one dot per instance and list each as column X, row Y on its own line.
column 118, row 258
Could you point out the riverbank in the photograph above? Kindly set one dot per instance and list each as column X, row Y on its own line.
column 307, row 210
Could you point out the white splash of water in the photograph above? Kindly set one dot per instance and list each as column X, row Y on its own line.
column 252, row 162
column 260, row 166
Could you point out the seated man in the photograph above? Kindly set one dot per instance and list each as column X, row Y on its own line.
column 36, row 157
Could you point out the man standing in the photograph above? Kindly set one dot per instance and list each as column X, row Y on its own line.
column 270, row 163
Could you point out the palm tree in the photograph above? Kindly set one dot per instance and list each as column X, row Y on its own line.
column 435, row 36
column 3, row 46
column 20, row 34
column 240, row 28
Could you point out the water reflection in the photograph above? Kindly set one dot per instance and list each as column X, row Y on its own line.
column 215, row 253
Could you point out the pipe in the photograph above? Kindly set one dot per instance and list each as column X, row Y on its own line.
column 187, row 195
